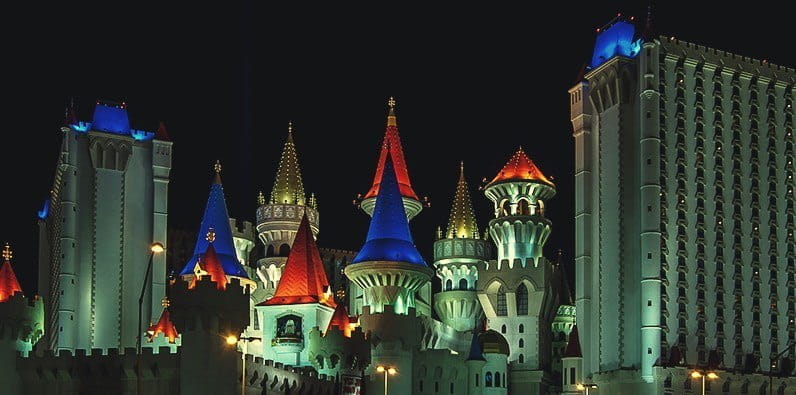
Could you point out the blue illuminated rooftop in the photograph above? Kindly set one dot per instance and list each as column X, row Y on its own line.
column 389, row 238
column 616, row 40
column 216, row 217
column 45, row 210
column 112, row 118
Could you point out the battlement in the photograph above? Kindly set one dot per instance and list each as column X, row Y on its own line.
column 22, row 318
column 337, row 351
column 728, row 59
column 202, row 299
column 495, row 266
column 245, row 232
column 265, row 374
column 337, row 252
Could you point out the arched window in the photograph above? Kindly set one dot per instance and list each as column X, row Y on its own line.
column 269, row 252
column 503, row 329
column 488, row 379
column 522, row 300
column 522, row 329
column 463, row 284
column 523, row 207
column 522, row 343
column 522, row 358
column 505, row 208
column 448, row 285
column 284, row 250
column 497, row 379
column 502, row 310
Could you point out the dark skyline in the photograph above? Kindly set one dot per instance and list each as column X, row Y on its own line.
column 471, row 84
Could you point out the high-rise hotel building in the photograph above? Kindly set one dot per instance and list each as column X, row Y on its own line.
column 684, row 215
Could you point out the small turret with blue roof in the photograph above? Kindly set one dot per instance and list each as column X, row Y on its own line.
column 216, row 220
column 389, row 255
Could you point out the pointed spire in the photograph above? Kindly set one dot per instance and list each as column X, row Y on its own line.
column 288, row 187
column 389, row 238
column 392, row 145
column 520, row 167
column 462, row 222
column 164, row 325
column 260, row 198
column 210, row 264
column 573, row 345
column 476, row 354
column 9, row 285
column 341, row 320
column 303, row 278
column 162, row 134
column 217, row 218
column 217, row 170
column 649, row 28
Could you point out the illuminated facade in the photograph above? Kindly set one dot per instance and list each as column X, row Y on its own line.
column 684, row 215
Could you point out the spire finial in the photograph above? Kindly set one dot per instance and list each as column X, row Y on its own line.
column 260, row 199
column 165, row 302
column 7, row 253
column 289, row 127
column 391, row 103
column 211, row 235
column 217, row 167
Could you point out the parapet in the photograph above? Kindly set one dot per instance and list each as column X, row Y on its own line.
column 22, row 319
column 338, row 351
column 495, row 266
column 201, row 300
column 267, row 376
column 246, row 232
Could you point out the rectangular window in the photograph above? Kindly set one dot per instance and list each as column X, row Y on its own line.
column 649, row 302
column 649, row 255
column 571, row 375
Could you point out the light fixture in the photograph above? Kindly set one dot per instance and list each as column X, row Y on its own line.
column 157, row 248
column 380, row 369
column 696, row 374
column 713, row 375
column 232, row 339
column 392, row 371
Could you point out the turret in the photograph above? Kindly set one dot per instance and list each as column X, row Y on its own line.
column 572, row 365
column 496, row 351
column 279, row 216
column 21, row 324
column 341, row 349
column 303, row 300
column 517, row 292
column 475, row 366
column 457, row 257
column 163, row 332
column 391, row 147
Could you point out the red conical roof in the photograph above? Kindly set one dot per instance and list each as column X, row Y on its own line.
column 392, row 144
column 210, row 263
column 164, row 326
column 573, row 346
column 303, row 280
column 162, row 134
column 520, row 167
column 341, row 320
column 8, row 280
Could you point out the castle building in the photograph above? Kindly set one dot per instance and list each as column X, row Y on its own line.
column 684, row 216
column 107, row 205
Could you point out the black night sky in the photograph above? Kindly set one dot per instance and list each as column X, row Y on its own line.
column 471, row 84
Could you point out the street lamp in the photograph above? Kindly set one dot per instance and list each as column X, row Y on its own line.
column 386, row 370
column 154, row 248
column 585, row 387
column 232, row 340
column 697, row 374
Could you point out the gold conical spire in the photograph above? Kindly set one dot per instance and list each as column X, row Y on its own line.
column 288, row 187
column 462, row 222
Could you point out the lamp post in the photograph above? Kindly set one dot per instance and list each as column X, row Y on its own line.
column 699, row 374
column 774, row 365
column 155, row 248
column 232, row 340
column 386, row 371
column 585, row 387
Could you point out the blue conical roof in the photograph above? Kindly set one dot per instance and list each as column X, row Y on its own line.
column 389, row 238
column 216, row 217
column 475, row 349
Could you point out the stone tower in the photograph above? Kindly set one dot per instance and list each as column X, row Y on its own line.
column 278, row 218
column 457, row 257
column 516, row 291
column 390, row 270
column 106, row 207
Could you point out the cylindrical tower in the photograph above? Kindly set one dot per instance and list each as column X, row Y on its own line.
column 278, row 218
column 457, row 257
column 519, row 228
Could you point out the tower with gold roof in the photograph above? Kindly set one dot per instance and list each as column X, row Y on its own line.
column 517, row 291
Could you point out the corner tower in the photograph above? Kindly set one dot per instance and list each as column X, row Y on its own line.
column 457, row 257
column 516, row 291
column 278, row 218
column 391, row 147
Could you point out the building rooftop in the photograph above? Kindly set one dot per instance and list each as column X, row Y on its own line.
column 288, row 188
column 462, row 223
column 520, row 167
column 8, row 280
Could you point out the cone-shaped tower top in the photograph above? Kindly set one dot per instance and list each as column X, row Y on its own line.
column 164, row 326
column 341, row 320
column 288, row 188
column 392, row 145
column 520, row 167
column 303, row 279
column 573, row 346
column 8, row 280
column 216, row 217
column 476, row 354
column 389, row 238
column 209, row 264
column 462, row 222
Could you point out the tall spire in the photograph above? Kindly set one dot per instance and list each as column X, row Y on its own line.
column 216, row 218
column 304, row 279
column 520, row 167
column 389, row 238
column 288, row 188
column 392, row 145
column 573, row 345
column 649, row 28
column 164, row 325
column 462, row 222
column 8, row 280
